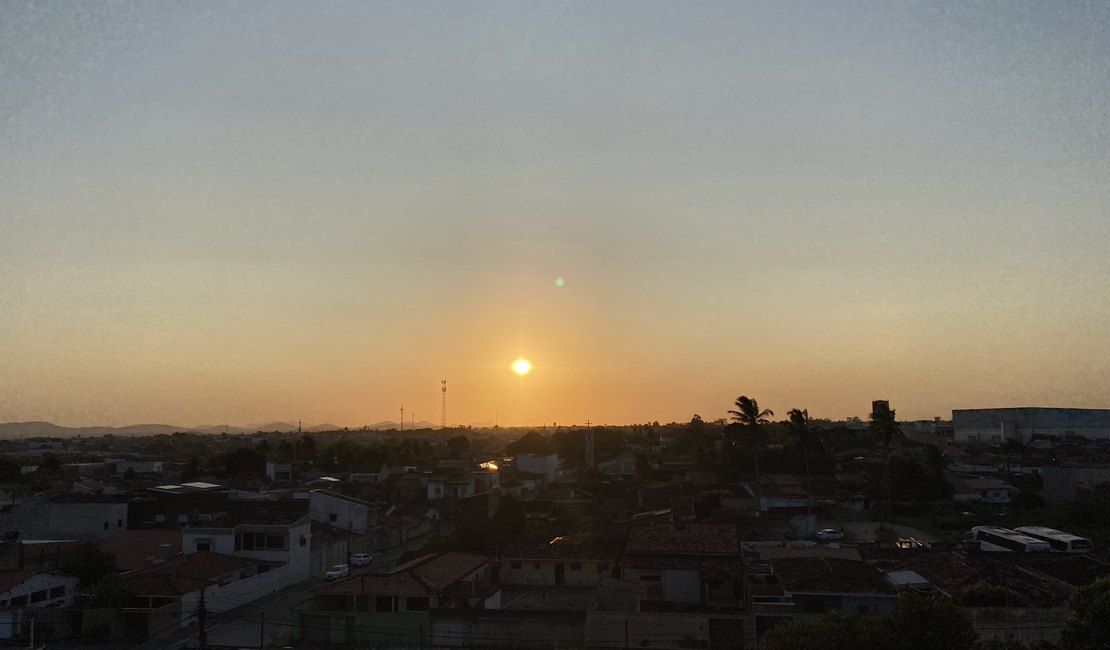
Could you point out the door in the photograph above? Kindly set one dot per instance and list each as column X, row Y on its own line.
column 560, row 573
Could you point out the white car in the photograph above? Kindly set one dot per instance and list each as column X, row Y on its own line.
column 338, row 571
column 830, row 534
column 361, row 559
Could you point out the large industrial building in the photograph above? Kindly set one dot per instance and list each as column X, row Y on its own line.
column 997, row 425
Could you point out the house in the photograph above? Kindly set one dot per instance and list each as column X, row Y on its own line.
column 137, row 549
column 279, row 471
column 555, row 564
column 989, row 490
column 396, row 609
column 820, row 584
column 139, row 466
column 684, row 563
column 623, row 465
column 457, row 485
column 31, row 589
column 76, row 517
column 277, row 541
column 341, row 511
column 543, row 464
column 171, row 591
column 375, row 476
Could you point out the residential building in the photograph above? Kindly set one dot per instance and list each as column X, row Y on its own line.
column 396, row 609
column 278, row 541
column 342, row 512
column 999, row 424
column 20, row 590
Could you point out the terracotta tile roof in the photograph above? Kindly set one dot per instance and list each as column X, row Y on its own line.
column 135, row 549
column 783, row 552
column 431, row 574
column 706, row 566
column 344, row 497
column 12, row 579
column 819, row 575
column 689, row 539
column 183, row 575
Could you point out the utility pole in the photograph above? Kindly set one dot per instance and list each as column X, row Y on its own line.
column 402, row 417
column 202, row 621
column 262, row 631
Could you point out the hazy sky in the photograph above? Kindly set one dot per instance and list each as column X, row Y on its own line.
column 241, row 212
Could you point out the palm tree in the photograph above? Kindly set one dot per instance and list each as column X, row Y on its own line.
column 748, row 417
column 884, row 423
column 747, row 413
column 799, row 426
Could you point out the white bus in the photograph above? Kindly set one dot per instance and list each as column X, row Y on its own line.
column 1058, row 540
column 993, row 538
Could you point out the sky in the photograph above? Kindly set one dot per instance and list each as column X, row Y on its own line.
column 239, row 212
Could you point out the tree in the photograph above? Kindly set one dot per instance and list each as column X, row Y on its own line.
column 1089, row 624
column 920, row 622
column 799, row 426
column 305, row 448
column 458, row 446
column 747, row 425
column 984, row 594
column 836, row 631
column 191, row 470
column 747, row 413
column 886, row 426
column 244, row 461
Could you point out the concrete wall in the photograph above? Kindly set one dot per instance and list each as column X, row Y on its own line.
column 987, row 425
column 656, row 630
column 59, row 520
column 341, row 513
column 1027, row 624
column 587, row 574
column 681, row 586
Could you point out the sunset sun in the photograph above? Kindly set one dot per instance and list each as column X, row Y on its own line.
column 522, row 366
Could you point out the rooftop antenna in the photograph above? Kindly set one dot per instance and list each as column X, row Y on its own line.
column 443, row 406
column 402, row 417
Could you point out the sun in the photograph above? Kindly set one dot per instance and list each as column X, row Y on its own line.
column 522, row 366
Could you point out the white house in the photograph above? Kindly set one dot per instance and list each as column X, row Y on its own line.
column 21, row 589
column 545, row 464
column 280, row 542
column 341, row 511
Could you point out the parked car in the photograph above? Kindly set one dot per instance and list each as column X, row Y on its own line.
column 361, row 559
column 338, row 571
column 830, row 534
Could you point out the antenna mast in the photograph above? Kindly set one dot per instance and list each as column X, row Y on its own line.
column 402, row 417
column 443, row 406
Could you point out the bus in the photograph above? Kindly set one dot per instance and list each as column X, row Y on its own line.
column 1058, row 540
column 993, row 538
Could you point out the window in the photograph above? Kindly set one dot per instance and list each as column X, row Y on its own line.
column 119, row 523
column 575, row 566
column 204, row 544
column 332, row 517
column 57, row 592
column 304, row 539
column 514, row 565
column 385, row 604
column 105, row 525
column 536, row 565
column 159, row 519
column 417, row 603
column 182, row 519
column 275, row 542
column 19, row 601
column 38, row 596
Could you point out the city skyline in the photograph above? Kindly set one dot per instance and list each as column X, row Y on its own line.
column 215, row 214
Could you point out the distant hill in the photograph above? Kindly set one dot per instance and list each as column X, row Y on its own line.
column 49, row 430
